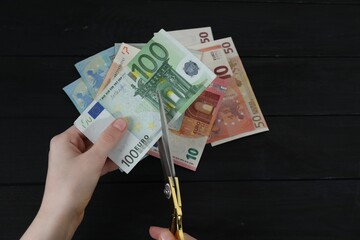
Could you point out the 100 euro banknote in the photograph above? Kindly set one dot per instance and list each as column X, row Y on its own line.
column 163, row 65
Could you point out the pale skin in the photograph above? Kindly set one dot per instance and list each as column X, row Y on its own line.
column 75, row 166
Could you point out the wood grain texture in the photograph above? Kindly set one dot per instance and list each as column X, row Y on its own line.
column 283, row 86
column 259, row 29
column 300, row 181
column 295, row 148
column 243, row 210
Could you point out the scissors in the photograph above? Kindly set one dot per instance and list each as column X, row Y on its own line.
column 172, row 188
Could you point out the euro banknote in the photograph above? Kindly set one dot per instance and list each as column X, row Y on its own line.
column 100, row 62
column 188, row 143
column 237, row 117
column 123, row 56
column 163, row 65
column 93, row 69
column 141, row 45
column 78, row 93
column 192, row 36
column 190, row 140
column 135, row 45
column 187, row 37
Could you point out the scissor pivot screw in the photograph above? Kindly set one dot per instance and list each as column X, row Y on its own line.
column 167, row 191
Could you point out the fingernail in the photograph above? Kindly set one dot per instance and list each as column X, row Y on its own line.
column 120, row 124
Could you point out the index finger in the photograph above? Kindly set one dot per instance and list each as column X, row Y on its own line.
column 75, row 137
column 74, row 131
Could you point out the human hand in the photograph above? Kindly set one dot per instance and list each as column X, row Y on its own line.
column 165, row 234
column 75, row 166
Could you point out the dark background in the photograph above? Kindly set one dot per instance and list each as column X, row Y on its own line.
column 298, row 181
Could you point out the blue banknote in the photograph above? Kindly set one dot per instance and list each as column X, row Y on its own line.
column 78, row 92
column 93, row 69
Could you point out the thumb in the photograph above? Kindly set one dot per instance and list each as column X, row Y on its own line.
column 108, row 139
column 164, row 234
column 161, row 233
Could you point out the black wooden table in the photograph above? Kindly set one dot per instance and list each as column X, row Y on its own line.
column 300, row 180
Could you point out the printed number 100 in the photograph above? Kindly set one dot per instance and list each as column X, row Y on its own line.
column 192, row 153
column 148, row 63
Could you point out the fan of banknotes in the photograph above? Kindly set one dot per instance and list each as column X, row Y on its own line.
column 202, row 81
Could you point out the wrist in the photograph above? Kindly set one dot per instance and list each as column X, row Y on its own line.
column 53, row 223
column 63, row 220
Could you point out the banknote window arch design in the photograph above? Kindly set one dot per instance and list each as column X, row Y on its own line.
column 174, row 89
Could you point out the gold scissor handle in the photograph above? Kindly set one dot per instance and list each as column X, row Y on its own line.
column 176, row 224
column 179, row 235
column 176, row 227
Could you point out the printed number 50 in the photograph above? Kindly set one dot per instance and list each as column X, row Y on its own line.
column 204, row 37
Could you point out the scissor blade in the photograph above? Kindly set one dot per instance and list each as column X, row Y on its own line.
column 164, row 148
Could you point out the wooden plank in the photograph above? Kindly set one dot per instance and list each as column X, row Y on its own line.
column 258, row 29
column 327, row 2
column 305, row 86
column 39, row 82
column 294, row 210
column 298, row 181
column 295, row 148
column 283, row 86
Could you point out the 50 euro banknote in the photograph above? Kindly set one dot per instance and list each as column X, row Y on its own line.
column 163, row 65
column 239, row 114
column 186, row 37
column 192, row 36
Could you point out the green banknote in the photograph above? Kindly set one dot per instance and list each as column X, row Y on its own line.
column 163, row 65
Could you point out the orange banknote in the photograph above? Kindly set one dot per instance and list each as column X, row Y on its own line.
column 239, row 114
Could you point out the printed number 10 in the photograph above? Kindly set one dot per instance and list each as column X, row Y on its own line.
column 192, row 153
